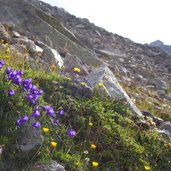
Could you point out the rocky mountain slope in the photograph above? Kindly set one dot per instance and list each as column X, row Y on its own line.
column 148, row 65
column 110, row 96
column 158, row 43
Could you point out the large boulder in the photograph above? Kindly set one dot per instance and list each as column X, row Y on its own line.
column 51, row 56
column 111, row 86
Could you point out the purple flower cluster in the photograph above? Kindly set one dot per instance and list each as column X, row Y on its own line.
column 16, row 77
column 1, row 63
column 31, row 93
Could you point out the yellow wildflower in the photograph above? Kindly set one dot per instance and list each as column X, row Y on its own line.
column 62, row 67
column 45, row 130
column 53, row 144
column 95, row 164
column 77, row 69
column 147, row 168
column 169, row 145
column 53, row 67
column 69, row 78
column 7, row 44
column 2, row 41
column 93, row 146
column 7, row 50
column 6, row 56
column 90, row 123
column 82, row 83
column 100, row 84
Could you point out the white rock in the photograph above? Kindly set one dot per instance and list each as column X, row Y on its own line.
column 50, row 55
column 58, row 58
column 112, row 87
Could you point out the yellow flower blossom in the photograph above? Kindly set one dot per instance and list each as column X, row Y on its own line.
column 62, row 67
column 77, row 69
column 169, row 145
column 90, row 123
column 2, row 41
column 45, row 130
column 147, row 168
column 53, row 67
column 7, row 44
column 100, row 84
column 7, row 50
column 95, row 164
column 69, row 78
column 82, row 83
column 93, row 146
column 53, row 144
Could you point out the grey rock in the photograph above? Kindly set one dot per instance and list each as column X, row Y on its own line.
column 166, row 126
column 30, row 138
column 30, row 45
column 164, row 133
column 85, row 40
column 165, row 130
column 161, row 93
column 157, row 120
column 54, row 166
column 4, row 34
column 72, row 61
column 158, row 83
column 15, row 34
column 40, row 44
column 111, row 86
column 9, row 26
column 51, row 56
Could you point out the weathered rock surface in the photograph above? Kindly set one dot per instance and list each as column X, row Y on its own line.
column 72, row 61
column 4, row 34
column 30, row 138
column 42, row 25
column 144, row 64
column 111, row 86
column 54, row 166
column 30, row 45
column 165, row 130
column 51, row 56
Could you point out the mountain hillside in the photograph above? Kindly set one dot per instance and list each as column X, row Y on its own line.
column 75, row 97
column 139, row 62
